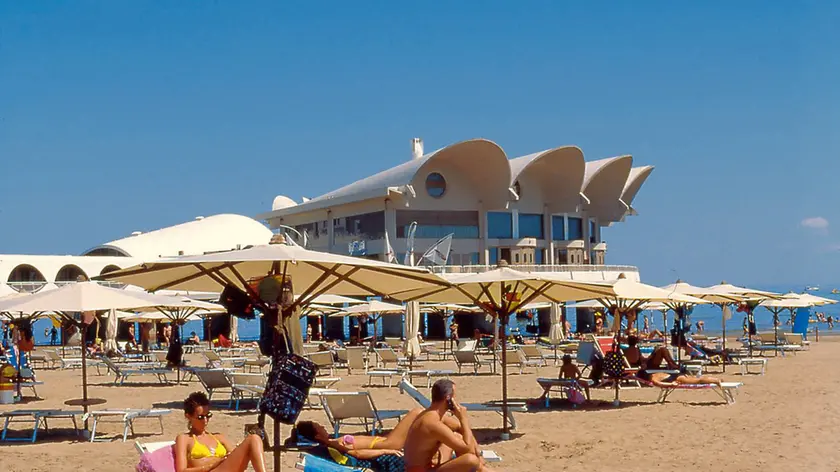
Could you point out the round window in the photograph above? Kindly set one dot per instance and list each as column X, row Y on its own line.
column 435, row 185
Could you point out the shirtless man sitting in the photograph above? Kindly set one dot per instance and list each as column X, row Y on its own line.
column 434, row 429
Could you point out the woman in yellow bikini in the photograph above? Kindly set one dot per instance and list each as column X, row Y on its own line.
column 200, row 451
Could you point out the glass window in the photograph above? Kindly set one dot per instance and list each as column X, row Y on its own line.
column 435, row 185
column 558, row 227
column 437, row 224
column 499, row 225
column 575, row 228
column 592, row 232
column 531, row 226
column 494, row 256
column 539, row 254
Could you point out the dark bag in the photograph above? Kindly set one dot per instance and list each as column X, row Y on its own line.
column 288, row 386
column 597, row 363
column 175, row 354
column 614, row 362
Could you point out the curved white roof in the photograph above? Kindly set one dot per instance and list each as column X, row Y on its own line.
column 603, row 184
column 556, row 173
column 213, row 233
column 638, row 176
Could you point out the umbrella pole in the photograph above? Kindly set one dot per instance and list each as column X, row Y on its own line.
column 84, row 372
column 505, row 430
column 723, row 324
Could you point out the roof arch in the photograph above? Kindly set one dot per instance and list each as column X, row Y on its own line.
column 479, row 162
column 603, row 185
column 557, row 174
column 214, row 233
column 638, row 176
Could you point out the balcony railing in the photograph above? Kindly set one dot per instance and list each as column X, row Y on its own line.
column 571, row 269
column 26, row 287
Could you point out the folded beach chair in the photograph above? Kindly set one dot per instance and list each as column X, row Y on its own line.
column 470, row 358
column 123, row 372
column 495, row 407
column 324, row 360
column 37, row 419
column 246, row 385
column 213, row 380
column 343, row 407
column 126, row 417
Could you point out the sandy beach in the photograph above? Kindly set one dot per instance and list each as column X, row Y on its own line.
column 784, row 420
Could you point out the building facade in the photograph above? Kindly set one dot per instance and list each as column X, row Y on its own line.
column 543, row 209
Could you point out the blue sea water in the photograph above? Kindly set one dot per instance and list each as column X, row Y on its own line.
column 249, row 330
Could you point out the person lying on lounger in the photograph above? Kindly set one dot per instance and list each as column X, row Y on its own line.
column 654, row 361
column 200, row 451
column 661, row 379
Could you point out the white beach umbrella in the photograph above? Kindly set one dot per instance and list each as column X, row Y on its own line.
column 556, row 334
column 751, row 298
column 500, row 292
column 812, row 299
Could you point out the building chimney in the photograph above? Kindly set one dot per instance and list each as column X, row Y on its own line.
column 416, row 148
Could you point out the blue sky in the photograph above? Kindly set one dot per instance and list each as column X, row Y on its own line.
column 124, row 116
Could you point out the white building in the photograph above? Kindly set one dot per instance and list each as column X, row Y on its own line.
column 545, row 210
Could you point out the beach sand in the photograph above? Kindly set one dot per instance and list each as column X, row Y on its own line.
column 784, row 420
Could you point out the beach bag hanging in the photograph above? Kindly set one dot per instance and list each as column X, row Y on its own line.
column 288, row 386
column 614, row 362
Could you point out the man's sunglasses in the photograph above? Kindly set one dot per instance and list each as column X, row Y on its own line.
column 204, row 417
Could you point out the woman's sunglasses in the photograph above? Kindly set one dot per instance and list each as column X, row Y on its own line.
column 204, row 417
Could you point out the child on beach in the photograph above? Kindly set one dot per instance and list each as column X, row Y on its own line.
column 570, row 371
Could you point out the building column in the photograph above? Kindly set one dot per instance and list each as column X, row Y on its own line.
column 330, row 232
column 587, row 245
column 549, row 234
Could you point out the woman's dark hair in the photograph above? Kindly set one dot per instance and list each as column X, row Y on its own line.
column 195, row 400
column 306, row 430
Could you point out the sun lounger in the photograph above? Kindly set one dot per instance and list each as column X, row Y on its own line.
column 355, row 358
column 310, row 463
column 213, row 380
column 388, row 356
column 495, row 407
column 560, row 386
column 143, row 448
column 470, row 358
column 215, row 360
column 746, row 362
column 245, row 385
column 123, row 372
column 343, row 407
column 796, row 339
column 532, row 353
column 37, row 418
column 126, row 417
column 429, row 375
column 324, row 360
column 726, row 390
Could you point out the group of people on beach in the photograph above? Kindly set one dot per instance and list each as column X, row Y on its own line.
column 438, row 438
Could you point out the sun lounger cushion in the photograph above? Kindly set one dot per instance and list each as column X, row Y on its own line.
column 159, row 460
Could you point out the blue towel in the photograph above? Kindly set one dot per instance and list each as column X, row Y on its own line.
column 317, row 464
column 800, row 324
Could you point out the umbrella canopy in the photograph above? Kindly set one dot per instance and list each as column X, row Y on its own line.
column 373, row 306
column 812, row 299
column 713, row 296
column 745, row 293
column 629, row 295
column 785, row 303
column 448, row 307
column 329, row 299
column 314, row 309
column 156, row 316
column 411, row 345
column 313, row 273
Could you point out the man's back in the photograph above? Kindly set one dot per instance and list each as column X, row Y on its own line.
column 422, row 443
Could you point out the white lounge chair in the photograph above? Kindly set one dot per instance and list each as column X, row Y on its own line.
column 726, row 390
column 388, row 356
column 38, row 418
column 324, row 360
column 215, row 360
column 123, row 371
column 355, row 358
column 126, row 417
column 470, row 358
column 343, row 407
column 213, row 380
column 246, row 385
column 495, row 407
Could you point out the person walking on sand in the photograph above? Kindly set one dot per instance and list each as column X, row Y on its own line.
column 433, row 429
